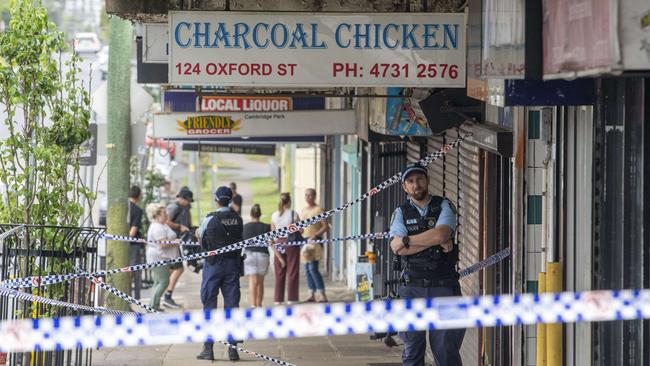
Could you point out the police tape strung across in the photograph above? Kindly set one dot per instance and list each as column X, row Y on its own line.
column 493, row 259
column 281, row 246
column 29, row 297
column 100, row 282
column 194, row 243
column 44, row 300
column 131, row 300
column 35, row 281
column 310, row 320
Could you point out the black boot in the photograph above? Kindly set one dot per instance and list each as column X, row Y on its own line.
column 233, row 355
column 207, row 353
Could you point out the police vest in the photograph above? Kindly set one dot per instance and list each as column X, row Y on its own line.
column 223, row 229
column 432, row 263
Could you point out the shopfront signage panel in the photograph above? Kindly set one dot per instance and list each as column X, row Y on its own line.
column 317, row 49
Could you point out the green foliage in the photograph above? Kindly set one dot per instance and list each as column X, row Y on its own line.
column 47, row 118
column 47, row 114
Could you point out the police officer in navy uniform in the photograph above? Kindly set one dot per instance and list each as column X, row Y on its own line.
column 221, row 272
column 422, row 231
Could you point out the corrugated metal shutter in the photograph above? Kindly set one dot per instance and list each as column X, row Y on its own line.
column 412, row 151
column 469, row 232
column 457, row 177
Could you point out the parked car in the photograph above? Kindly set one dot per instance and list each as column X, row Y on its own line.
column 86, row 42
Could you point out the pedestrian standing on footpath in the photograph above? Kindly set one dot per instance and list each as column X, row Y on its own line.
column 159, row 231
column 286, row 266
column 136, row 249
column 221, row 272
column 311, row 253
column 422, row 231
column 180, row 220
column 237, row 201
column 256, row 264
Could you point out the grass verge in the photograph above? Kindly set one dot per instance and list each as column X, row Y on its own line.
column 266, row 194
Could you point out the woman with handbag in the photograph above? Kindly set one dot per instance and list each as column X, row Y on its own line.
column 312, row 253
column 287, row 265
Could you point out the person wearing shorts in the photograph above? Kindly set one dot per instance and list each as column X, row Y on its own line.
column 256, row 264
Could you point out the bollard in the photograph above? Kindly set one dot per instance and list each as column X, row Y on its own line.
column 540, row 359
column 554, row 351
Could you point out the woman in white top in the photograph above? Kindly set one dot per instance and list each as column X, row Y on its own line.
column 286, row 266
column 159, row 231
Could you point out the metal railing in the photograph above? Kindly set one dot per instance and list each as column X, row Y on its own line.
column 42, row 250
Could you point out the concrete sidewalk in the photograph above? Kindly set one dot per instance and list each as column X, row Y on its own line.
column 325, row 351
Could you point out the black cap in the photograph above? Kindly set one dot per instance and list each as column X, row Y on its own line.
column 186, row 194
column 413, row 168
column 223, row 195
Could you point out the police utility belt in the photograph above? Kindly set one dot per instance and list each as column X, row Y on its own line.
column 430, row 268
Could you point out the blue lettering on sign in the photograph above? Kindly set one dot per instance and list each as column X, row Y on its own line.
column 299, row 35
column 408, row 36
column 360, row 36
column 241, row 30
column 430, row 36
column 284, row 32
column 314, row 37
column 451, row 34
column 386, row 35
column 177, row 35
column 337, row 35
column 256, row 34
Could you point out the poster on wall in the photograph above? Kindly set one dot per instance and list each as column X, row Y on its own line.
column 397, row 116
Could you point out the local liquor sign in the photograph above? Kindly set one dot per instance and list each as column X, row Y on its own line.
column 312, row 50
column 211, row 103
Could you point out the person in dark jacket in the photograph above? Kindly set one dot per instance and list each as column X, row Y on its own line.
column 220, row 272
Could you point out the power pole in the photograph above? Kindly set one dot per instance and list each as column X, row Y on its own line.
column 119, row 142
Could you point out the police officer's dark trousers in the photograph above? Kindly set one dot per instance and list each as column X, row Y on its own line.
column 222, row 276
column 445, row 344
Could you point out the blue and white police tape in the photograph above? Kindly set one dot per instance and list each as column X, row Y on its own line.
column 145, row 241
column 100, row 282
column 44, row 300
column 134, row 301
column 309, row 320
column 29, row 297
column 369, row 236
column 491, row 260
column 35, row 281
column 291, row 243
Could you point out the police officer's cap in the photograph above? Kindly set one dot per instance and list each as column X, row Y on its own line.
column 223, row 194
column 413, row 168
